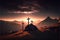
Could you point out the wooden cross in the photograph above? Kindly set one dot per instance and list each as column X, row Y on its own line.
column 22, row 25
column 28, row 20
column 31, row 22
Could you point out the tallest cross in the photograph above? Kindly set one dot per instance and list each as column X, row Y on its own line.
column 28, row 20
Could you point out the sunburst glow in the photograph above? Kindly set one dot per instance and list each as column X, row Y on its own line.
column 24, row 19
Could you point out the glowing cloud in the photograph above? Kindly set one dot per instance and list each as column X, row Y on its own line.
column 24, row 12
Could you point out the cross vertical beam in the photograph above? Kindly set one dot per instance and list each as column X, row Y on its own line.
column 28, row 20
column 22, row 25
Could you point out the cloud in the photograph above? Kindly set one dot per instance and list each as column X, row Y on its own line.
column 40, row 8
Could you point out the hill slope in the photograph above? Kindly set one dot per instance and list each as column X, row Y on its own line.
column 8, row 27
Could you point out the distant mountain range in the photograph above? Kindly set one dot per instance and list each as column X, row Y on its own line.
column 8, row 27
column 48, row 22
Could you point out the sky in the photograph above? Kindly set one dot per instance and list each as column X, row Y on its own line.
column 35, row 9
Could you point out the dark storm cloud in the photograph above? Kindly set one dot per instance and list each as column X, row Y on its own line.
column 51, row 7
column 47, row 7
column 47, row 4
column 9, row 4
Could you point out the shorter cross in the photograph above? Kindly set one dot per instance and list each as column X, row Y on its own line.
column 22, row 25
column 31, row 22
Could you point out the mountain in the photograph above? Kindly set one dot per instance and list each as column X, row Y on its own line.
column 8, row 27
column 48, row 22
column 32, row 29
column 18, row 22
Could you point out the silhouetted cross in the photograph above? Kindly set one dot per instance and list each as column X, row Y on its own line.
column 28, row 20
column 22, row 25
column 31, row 22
